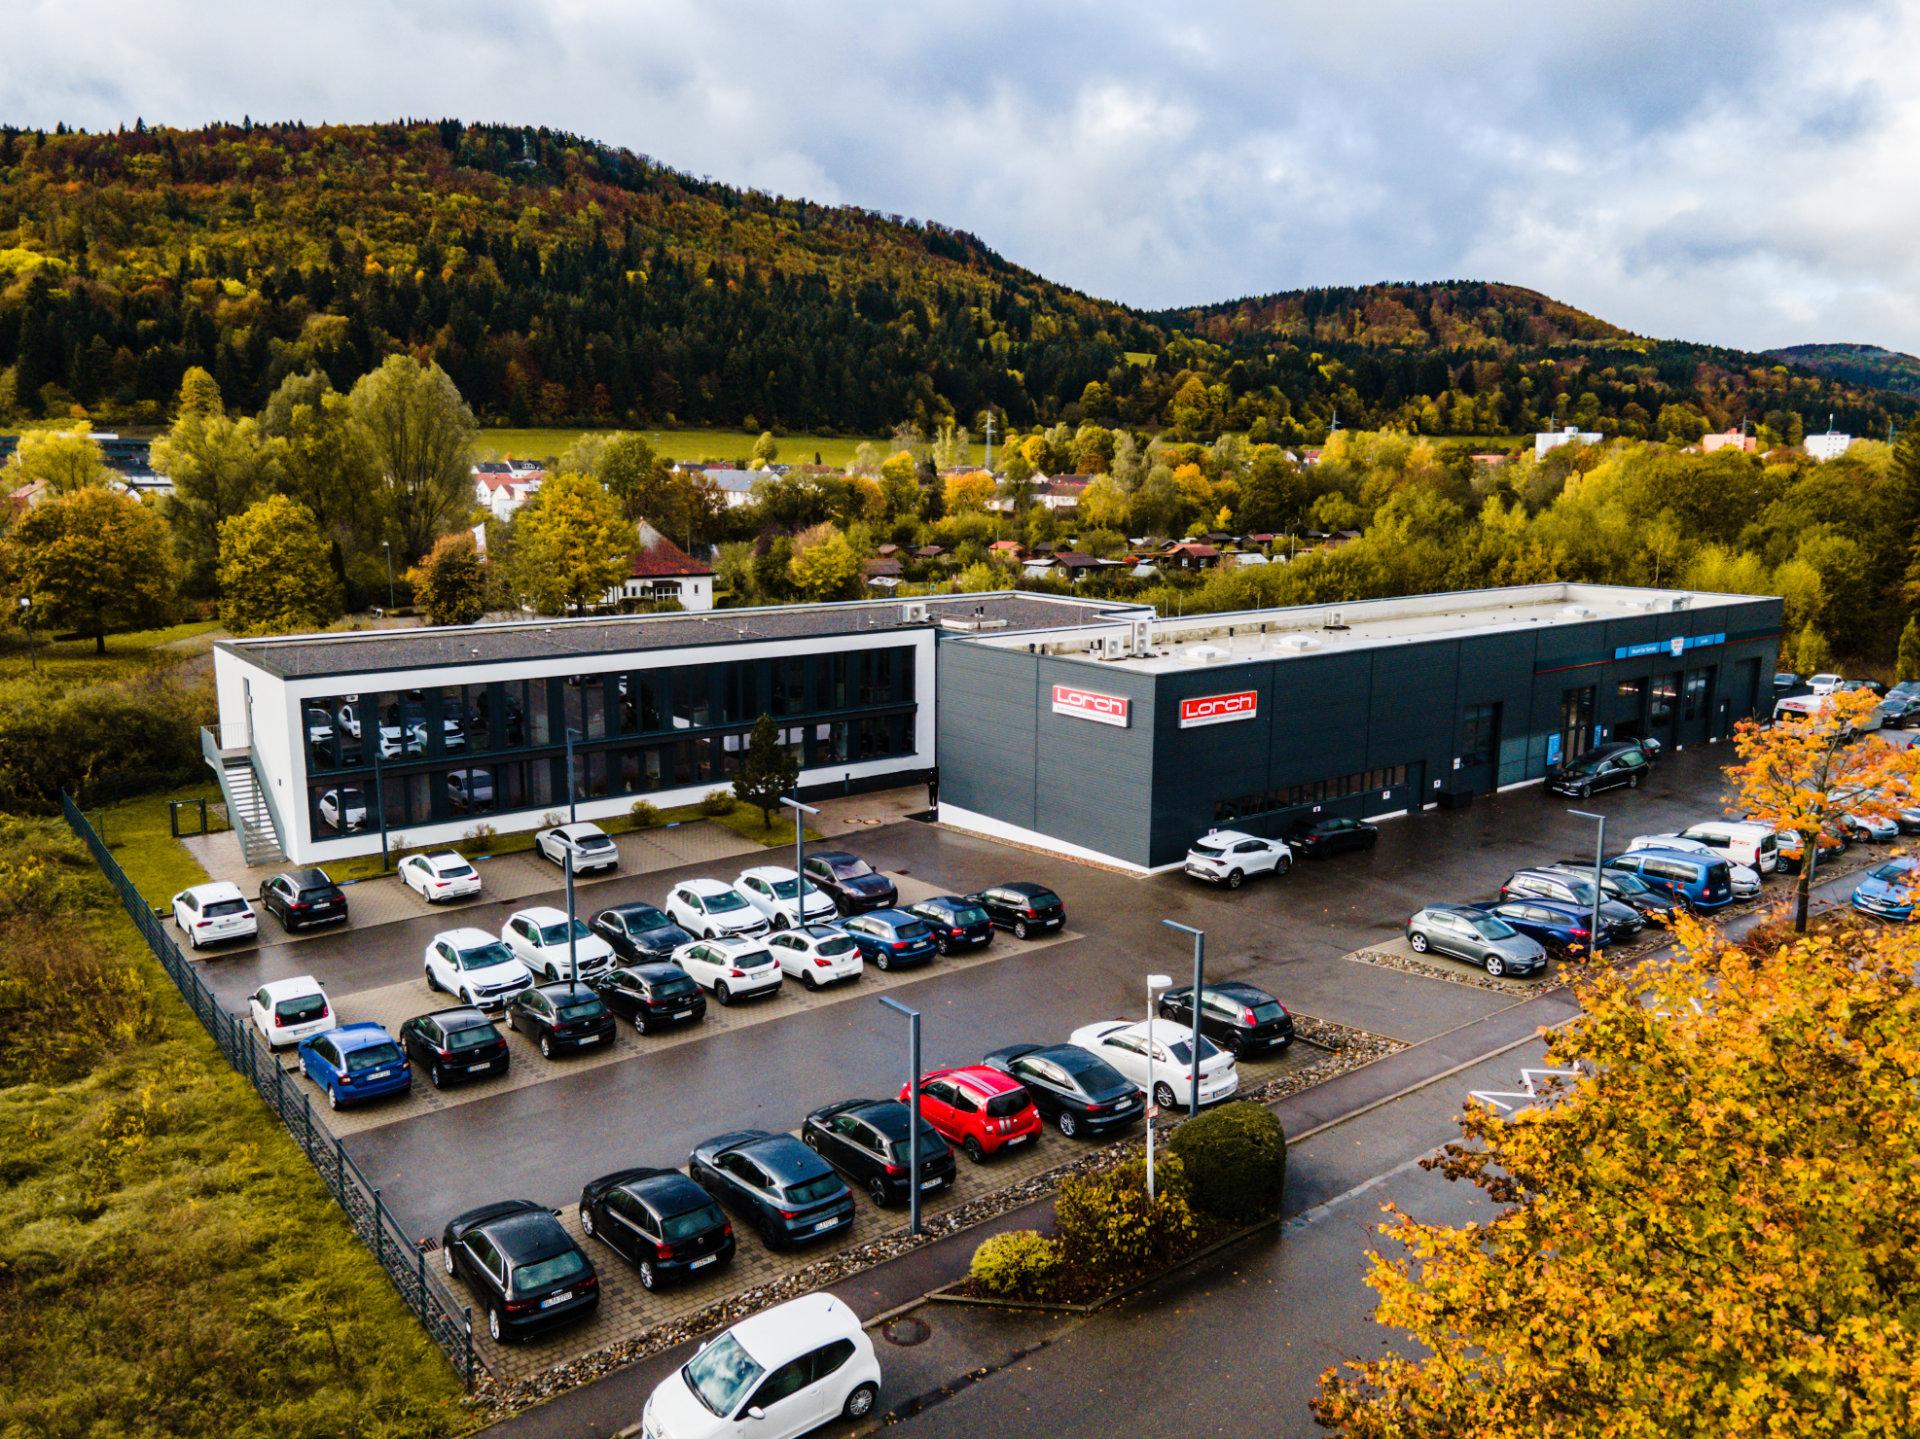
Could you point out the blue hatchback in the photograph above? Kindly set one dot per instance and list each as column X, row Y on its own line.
column 355, row 1063
column 1556, row 924
column 1889, row 890
column 891, row 936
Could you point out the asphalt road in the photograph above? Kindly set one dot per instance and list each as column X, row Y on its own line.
column 542, row 1141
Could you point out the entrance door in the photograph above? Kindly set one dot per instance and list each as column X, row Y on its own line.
column 1479, row 749
column 1696, row 706
column 1576, row 723
column 1663, row 709
column 1630, row 709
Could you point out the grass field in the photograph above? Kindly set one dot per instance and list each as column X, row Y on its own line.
column 681, row 445
column 137, row 832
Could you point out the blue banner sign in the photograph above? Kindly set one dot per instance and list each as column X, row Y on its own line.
column 1676, row 646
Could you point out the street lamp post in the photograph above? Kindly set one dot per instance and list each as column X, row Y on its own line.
column 913, row 1110
column 800, row 813
column 26, row 623
column 1199, row 978
column 379, row 784
column 573, row 940
column 387, row 545
column 1156, row 985
column 1599, row 851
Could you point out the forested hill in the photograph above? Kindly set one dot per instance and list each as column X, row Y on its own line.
column 561, row 281
column 1859, row 364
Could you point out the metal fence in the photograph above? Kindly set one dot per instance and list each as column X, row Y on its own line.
column 444, row 1317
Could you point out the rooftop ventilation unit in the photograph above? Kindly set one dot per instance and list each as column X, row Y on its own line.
column 1204, row 655
column 1335, row 620
column 1297, row 644
column 915, row 612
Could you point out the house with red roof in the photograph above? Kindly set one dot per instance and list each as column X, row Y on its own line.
column 661, row 570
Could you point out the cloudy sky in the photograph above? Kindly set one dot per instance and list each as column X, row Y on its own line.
column 1739, row 171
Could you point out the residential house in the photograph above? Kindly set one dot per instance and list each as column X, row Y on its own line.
column 1830, row 446
column 1061, row 492
column 1490, row 458
column 1011, row 551
column 1571, row 435
column 1068, row 564
column 661, row 570
column 929, row 552
column 735, row 486
column 1729, row 440
column 1190, row 555
column 883, row 574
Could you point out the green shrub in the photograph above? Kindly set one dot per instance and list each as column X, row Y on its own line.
column 1020, row 1264
column 1236, row 1161
column 717, row 802
column 1107, row 1228
column 103, row 742
column 646, row 814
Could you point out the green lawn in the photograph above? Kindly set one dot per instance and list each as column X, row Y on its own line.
column 137, row 832
column 56, row 666
column 540, row 444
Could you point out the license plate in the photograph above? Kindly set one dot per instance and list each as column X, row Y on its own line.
column 1018, row 1139
column 825, row 1224
column 1050, row 923
column 930, row 1183
column 684, row 1009
column 589, row 1039
column 698, row 1262
column 380, row 1074
column 552, row 1299
column 479, row 1065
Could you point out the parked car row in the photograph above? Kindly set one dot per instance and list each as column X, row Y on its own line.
column 1230, row 857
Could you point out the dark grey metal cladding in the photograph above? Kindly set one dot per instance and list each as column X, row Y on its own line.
column 986, row 730
column 1094, row 783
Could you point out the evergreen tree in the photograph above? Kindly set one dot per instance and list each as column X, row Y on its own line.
column 768, row 770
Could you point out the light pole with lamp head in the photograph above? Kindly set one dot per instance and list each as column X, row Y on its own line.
column 573, row 940
column 800, row 813
column 1199, row 977
column 26, row 623
column 1599, row 852
column 1157, row 984
column 387, row 546
column 913, row 1110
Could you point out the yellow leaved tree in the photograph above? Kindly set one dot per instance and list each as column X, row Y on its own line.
column 1802, row 775
column 1711, row 1232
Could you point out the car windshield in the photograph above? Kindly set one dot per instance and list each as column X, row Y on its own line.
column 543, row 1272
column 1182, row 1050
column 721, row 903
column 1043, row 899
column 1894, row 873
column 932, row 1146
column 1628, row 884
column 472, row 1037
column 359, row 1061
column 1005, row 1106
column 783, row 888
column 1271, row 1010
column 812, row 1191
column 485, row 956
column 557, row 933
column 223, row 907
column 1487, row 927
column 838, row 945
column 673, row 988
column 302, row 1009
column 694, row 1221
column 579, row 1009
column 849, row 868
column 642, row 918
column 721, row 1374
column 969, row 914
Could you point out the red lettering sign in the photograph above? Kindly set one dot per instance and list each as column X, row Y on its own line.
column 1219, row 709
column 1091, row 705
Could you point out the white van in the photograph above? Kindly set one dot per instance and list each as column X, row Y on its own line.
column 1742, row 841
column 1795, row 709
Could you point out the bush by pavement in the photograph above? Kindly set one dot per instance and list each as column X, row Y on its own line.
column 1236, row 1161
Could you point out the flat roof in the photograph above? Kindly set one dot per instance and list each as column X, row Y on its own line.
column 1305, row 630
column 373, row 651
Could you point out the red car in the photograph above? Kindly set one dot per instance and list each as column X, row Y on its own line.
column 980, row 1109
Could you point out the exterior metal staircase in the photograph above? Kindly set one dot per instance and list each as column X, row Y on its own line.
column 247, row 808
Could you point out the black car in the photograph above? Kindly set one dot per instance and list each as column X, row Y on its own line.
column 783, row 1189
column 299, row 898
column 1316, row 839
column 1624, row 762
column 1624, row 888
column 453, row 1044
column 866, row 1140
column 1079, row 1091
column 652, row 995
column 956, row 923
column 1025, row 908
column 525, row 1270
column 639, row 931
column 1900, row 710
column 1241, row 1018
column 659, row 1221
column 561, row 1017
column 849, row 881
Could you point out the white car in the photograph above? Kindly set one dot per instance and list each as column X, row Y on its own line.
column 714, row 909
column 818, row 955
column 786, row 1371
column 212, row 913
column 476, row 968
column 731, row 968
column 1743, row 880
column 1226, row 856
column 538, row 939
column 1125, row 1046
column 397, row 740
column 771, row 889
column 590, row 846
column 444, row 875
column 1823, row 684
column 290, row 1010
column 470, row 788
column 344, row 808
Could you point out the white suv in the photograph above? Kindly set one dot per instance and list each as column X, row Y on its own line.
column 1226, row 856
column 591, row 847
column 1126, row 1047
column 771, row 889
column 210, row 913
column 714, row 909
column 538, row 938
column 476, row 968
column 730, row 968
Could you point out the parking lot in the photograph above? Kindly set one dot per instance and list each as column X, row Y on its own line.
column 549, row 1126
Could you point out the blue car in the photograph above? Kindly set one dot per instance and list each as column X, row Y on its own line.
column 891, row 936
column 355, row 1063
column 1888, row 892
column 957, row 923
column 1554, row 923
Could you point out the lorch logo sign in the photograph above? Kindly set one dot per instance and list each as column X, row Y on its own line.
column 1091, row 705
column 1219, row 709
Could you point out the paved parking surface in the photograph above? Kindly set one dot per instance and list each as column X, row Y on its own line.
column 551, row 1127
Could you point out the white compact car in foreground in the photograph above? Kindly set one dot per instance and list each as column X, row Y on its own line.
column 784, row 1372
column 444, row 875
column 731, row 968
column 538, row 939
column 287, row 1011
column 1226, row 856
column 819, row 955
column 213, row 913
column 1125, row 1047
column 590, row 846
column 772, row 890
column 476, row 968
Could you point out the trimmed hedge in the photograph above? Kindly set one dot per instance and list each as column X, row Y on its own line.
column 1020, row 1264
column 1109, row 1231
column 1236, row 1161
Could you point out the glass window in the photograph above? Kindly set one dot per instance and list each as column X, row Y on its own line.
column 1694, row 705
column 835, row 692
column 479, row 716
column 789, row 685
column 1479, row 730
